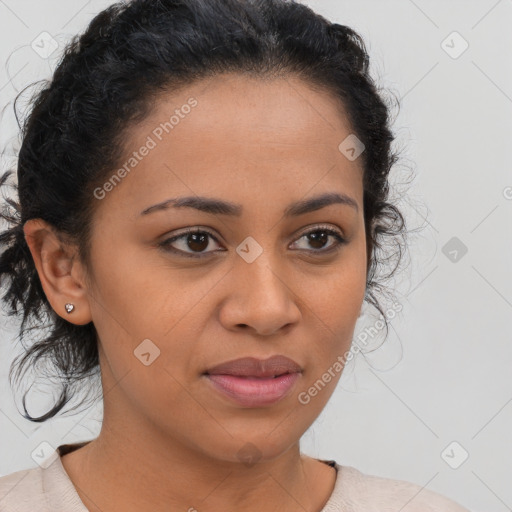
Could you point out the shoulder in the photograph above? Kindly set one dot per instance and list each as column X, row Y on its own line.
column 45, row 488
column 379, row 494
column 22, row 491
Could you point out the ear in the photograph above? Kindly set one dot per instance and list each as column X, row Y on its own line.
column 60, row 271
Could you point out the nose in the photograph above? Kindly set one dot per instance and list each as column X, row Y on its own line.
column 261, row 298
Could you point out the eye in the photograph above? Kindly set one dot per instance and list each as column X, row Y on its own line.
column 197, row 241
column 319, row 236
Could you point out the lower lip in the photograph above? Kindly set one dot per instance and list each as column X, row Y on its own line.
column 253, row 392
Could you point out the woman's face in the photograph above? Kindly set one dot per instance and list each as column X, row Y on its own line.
column 252, row 283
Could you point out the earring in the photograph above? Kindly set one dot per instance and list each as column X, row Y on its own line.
column 69, row 307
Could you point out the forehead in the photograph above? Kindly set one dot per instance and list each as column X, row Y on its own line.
column 244, row 134
column 241, row 105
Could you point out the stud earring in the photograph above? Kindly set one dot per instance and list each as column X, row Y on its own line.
column 69, row 307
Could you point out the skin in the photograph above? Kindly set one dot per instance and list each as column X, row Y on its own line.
column 169, row 441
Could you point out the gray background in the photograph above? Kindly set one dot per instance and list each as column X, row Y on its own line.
column 442, row 376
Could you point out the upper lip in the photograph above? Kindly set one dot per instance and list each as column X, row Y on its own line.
column 253, row 367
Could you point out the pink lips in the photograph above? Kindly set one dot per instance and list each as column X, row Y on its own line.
column 253, row 382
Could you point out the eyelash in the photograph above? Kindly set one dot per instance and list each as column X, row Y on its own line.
column 165, row 244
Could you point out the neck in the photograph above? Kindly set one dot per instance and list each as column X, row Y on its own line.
column 114, row 473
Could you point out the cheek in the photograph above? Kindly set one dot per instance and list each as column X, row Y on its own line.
column 339, row 294
column 160, row 394
column 136, row 295
column 334, row 309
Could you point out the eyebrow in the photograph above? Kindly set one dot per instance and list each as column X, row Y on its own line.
column 219, row 207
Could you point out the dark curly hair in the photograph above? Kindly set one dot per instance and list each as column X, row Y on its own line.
column 108, row 79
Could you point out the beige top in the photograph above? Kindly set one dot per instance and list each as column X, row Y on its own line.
column 51, row 490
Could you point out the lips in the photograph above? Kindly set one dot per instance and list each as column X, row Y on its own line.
column 257, row 368
column 252, row 382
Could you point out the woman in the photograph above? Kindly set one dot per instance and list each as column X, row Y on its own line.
column 202, row 212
